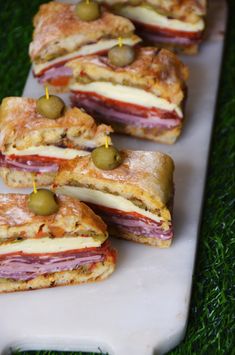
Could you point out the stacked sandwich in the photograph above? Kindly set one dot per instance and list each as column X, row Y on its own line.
column 47, row 241
column 50, row 238
column 134, row 199
column 140, row 91
column 38, row 135
column 144, row 98
column 65, row 31
column 176, row 24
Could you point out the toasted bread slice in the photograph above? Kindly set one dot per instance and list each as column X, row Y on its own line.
column 135, row 199
column 58, row 30
column 74, row 218
column 23, row 127
column 158, row 71
column 145, row 178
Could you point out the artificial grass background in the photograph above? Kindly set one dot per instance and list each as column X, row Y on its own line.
column 211, row 319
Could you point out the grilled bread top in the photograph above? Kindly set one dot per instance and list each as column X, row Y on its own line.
column 158, row 71
column 74, row 218
column 21, row 127
column 59, row 31
column 145, row 178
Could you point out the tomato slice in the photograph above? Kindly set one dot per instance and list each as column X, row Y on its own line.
column 36, row 158
column 60, row 81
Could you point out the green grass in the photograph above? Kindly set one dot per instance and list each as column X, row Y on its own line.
column 211, row 321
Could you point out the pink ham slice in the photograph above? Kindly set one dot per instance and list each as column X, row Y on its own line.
column 139, row 227
column 158, row 38
column 27, row 267
column 29, row 165
column 127, row 223
column 55, row 73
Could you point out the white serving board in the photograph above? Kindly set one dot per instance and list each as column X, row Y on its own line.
column 142, row 308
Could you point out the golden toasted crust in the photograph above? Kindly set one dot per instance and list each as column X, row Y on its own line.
column 184, row 10
column 73, row 218
column 99, row 272
column 190, row 49
column 21, row 127
column 20, row 178
column 58, row 30
column 161, row 135
column 146, row 178
column 156, row 70
column 155, row 242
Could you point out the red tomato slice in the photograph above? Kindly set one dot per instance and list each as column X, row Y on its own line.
column 60, row 81
column 35, row 158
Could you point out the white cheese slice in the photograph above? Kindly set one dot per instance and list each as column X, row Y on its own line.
column 102, row 45
column 48, row 151
column 105, row 199
column 150, row 17
column 55, row 245
column 127, row 94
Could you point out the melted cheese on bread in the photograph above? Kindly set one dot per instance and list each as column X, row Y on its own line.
column 127, row 94
column 49, row 245
column 151, row 17
column 88, row 49
column 48, row 151
column 105, row 199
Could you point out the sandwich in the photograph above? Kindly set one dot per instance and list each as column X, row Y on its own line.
column 65, row 248
column 60, row 35
column 32, row 146
column 172, row 23
column 135, row 199
column 144, row 99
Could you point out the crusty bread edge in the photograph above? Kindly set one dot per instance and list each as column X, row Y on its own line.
column 65, row 278
column 168, row 136
column 141, row 239
column 19, row 178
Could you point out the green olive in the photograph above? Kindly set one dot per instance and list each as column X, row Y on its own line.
column 121, row 56
column 106, row 158
column 134, row 2
column 88, row 10
column 52, row 107
column 43, row 202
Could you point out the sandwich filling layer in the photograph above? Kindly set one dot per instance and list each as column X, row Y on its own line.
column 121, row 213
column 51, row 245
column 129, row 95
column 149, row 16
column 126, row 105
column 49, row 151
column 26, row 266
column 39, row 159
column 100, row 47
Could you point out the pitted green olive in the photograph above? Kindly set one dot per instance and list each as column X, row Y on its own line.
column 43, row 202
column 134, row 2
column 121, row 56
column 106, row 158
column 51, row 107
column 88, row 11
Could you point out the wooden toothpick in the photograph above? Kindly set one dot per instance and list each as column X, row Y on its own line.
column 47, row 93
column 34, row 186
column 120, row 41
column 106, row 142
